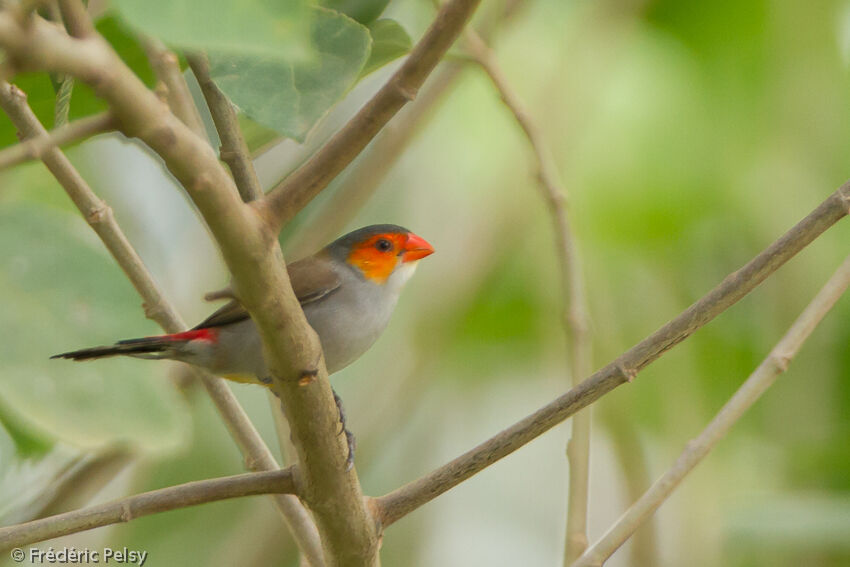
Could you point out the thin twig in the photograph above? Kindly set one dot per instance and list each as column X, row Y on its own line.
column 631, row 457
column 99, row 216
column 624, row 369
column 85, row 479
column 302, row 185
column 250, row 249
column 76, row 18
column 234, row 151
column 574, row 314
column 366, row 175
column 147, row 503
column 75, row 131
column 750, row 391
column 165, row 64
column 369, row 171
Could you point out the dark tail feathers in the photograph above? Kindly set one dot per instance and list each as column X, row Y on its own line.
column 132, row 347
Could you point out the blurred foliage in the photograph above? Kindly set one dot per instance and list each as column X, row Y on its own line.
column 690, row 136
column 259, row 27
column 41, row 93
column 290, row 97
column 81, row 406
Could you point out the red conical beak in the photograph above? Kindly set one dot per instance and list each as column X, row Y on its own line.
column 416, row 248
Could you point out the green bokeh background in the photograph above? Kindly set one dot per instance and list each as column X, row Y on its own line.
column 689, row 135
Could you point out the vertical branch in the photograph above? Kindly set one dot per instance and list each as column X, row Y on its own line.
column 100, row 218
column 167, row 69
column 76, row 19
column 234, row 151
column 631, row 458
column 574, row 314
column 750, row 391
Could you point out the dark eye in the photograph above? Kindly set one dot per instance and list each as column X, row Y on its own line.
column 383, row 245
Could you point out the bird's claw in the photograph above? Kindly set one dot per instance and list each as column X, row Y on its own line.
column 350, row 440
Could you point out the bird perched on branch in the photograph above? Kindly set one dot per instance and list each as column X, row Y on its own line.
column 348, row 291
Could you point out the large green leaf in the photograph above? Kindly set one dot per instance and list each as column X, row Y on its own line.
column 389, row 42
column 364, row 11
column 270, row 27
column 289, row 96
column 61, row 292
column 41, row 94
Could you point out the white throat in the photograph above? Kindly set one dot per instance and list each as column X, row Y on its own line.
column 400, row 275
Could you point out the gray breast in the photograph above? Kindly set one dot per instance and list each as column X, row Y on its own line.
column 351, row 319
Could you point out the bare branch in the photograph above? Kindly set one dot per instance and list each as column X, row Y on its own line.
column 234, row 151
column 575, row 318
column 367, row 174
column 99, row 216
column 749, row 392
column 75, row 17
column 250, row 249
column 165, row 65
column 32, row 148
column 145, row 504
column 302, row 185
column 625, row 368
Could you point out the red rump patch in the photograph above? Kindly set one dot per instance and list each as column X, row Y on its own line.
column 210, row 335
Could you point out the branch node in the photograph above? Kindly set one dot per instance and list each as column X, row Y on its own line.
column 251, row 463
column 126, row 512
column 226, row 155
column 780, row 361
column 307, row 377
column 407, row 92
column 161, row 91
column 628, row 374
column 99, row 214
column 153, row 311
column 844, row 194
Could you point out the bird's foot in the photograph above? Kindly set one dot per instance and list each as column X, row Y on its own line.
column 350, row 440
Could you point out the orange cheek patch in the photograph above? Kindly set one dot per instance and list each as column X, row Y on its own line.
column 375, row 265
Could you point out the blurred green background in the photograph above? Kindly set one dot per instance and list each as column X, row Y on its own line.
column 690, row 135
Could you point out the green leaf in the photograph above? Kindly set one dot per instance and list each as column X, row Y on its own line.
column 41, row 93
column 256, row 135
column 290, row 97
column 389, row 42
column 60, row 292
column 364, row 11
column 269, row 27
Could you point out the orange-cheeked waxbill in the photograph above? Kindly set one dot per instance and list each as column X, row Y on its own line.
column 348, row 291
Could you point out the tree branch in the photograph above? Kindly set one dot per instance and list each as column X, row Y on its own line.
column 250, row 249
column 32, row 148
column 145, row 504
column 234, row 151
column 750, row 391
column 302, row 185
column 165, row 65
column 99, row 216
column 76, row 18
column 625, row 368
column 574, row 315
column 367, row 174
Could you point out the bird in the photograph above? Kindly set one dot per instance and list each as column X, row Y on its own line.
column 348, row 291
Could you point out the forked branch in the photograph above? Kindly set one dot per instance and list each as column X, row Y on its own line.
column 625, row 368
column 749, row 392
